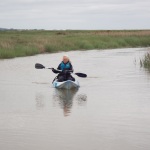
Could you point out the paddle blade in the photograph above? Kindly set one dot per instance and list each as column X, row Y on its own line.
column 39, row 66
column 81, row 75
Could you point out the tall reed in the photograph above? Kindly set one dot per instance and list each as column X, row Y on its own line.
column 145, row 62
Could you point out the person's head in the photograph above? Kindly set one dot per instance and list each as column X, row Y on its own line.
column 65, row 58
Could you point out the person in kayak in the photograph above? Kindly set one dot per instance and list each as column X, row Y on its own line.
column 66, row 68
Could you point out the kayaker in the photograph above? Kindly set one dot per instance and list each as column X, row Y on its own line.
column 66, row 68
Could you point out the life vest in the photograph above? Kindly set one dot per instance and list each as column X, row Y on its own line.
column 66, row 66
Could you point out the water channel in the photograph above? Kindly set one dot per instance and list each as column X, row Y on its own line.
column 110, row 110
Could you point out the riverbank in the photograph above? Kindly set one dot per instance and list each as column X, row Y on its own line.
column 27, row 43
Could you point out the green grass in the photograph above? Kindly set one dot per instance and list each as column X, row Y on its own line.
column 27, row 43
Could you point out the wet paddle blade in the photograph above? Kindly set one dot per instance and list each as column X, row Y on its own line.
column 39, row 66
column 81, row 75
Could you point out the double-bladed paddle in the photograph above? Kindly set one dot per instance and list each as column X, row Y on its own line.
column 40, row 66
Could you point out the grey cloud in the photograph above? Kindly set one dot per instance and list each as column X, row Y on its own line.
column 75, row 14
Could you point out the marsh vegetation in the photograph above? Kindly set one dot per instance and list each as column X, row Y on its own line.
column 27, row 43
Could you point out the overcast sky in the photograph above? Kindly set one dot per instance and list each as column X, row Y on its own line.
column 75, row 14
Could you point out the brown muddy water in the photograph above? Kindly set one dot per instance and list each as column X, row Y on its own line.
column 110, row 111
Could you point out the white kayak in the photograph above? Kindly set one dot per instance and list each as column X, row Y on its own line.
column 66, row 84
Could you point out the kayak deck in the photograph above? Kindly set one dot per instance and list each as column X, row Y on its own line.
column 66, row 84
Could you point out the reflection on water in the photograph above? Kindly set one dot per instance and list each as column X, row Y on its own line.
column 81, row 99
column 39, row 101
column 64, row 98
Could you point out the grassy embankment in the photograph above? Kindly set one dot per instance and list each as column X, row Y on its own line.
column 26, row 43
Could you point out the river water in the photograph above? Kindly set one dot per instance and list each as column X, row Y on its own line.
column 110, row 111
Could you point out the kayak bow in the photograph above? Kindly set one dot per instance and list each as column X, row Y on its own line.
column 66, row 84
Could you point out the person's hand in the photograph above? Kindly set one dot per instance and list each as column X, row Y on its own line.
column 54, row 70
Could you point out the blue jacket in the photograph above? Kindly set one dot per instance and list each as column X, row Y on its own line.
column 65, row 66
